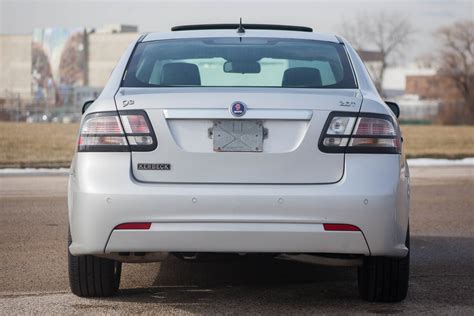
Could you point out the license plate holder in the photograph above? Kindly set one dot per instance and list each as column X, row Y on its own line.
column 238, row 135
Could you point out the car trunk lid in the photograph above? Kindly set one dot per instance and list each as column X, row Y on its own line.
column 195, row 129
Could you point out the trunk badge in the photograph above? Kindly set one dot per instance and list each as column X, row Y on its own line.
column 128, row 102
column 347, row 103
column 154, row 166
column 238, row 109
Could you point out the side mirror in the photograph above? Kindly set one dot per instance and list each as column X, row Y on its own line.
column 394, row 107
column 86, row 105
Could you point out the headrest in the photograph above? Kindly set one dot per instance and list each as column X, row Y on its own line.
column 180, row 74
column 301, row 77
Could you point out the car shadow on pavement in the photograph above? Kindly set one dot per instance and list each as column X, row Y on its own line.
column 252, row 271
column 253, row 281
column 442, row 273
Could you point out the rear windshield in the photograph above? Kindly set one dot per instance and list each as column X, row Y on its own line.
column 239, row 62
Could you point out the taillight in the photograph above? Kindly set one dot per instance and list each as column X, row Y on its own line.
column 367, row 133
column 107, row 131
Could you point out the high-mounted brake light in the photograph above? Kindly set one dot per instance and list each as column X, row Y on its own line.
column 107, row 131
column 368, row 133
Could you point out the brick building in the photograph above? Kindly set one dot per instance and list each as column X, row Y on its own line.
column 435, row 87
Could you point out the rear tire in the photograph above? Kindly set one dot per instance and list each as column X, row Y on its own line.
column 91, row 276
column 385, row 279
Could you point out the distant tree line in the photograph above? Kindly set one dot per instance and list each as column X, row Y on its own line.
column 456, row 60
column 390, row 33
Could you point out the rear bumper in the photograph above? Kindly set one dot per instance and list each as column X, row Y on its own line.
column 372, row 195
column 237, row 237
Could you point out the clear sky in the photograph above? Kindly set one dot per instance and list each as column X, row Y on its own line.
column 22, row 16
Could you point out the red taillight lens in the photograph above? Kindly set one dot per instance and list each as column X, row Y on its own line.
column 104, row 131
column 102, row 124
column 369, row 133
column 375, row 133
column 374, row 126
column 135, row 124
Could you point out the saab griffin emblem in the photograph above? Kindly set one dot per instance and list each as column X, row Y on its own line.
column 238, row 109
column 128, row 102
column 154, row 166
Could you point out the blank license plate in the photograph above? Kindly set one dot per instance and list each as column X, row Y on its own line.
column 238, row 135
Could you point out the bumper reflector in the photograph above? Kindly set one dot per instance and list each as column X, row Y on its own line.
column 340, row 227
column 143, row 226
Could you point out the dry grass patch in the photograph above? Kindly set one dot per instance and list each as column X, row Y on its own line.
column 36, row 145
column 438, row 141
column 52, row 145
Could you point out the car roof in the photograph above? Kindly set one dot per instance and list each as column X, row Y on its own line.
column 233, row 33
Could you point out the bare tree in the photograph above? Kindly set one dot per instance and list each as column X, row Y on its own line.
column 386, row 33
column 457, row 63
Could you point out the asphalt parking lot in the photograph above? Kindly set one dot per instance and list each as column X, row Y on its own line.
column 33, row 262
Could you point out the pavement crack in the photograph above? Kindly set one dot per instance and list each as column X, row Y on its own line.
column 17, row 295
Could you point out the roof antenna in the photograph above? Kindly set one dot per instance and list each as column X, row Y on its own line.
column 241, row 27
